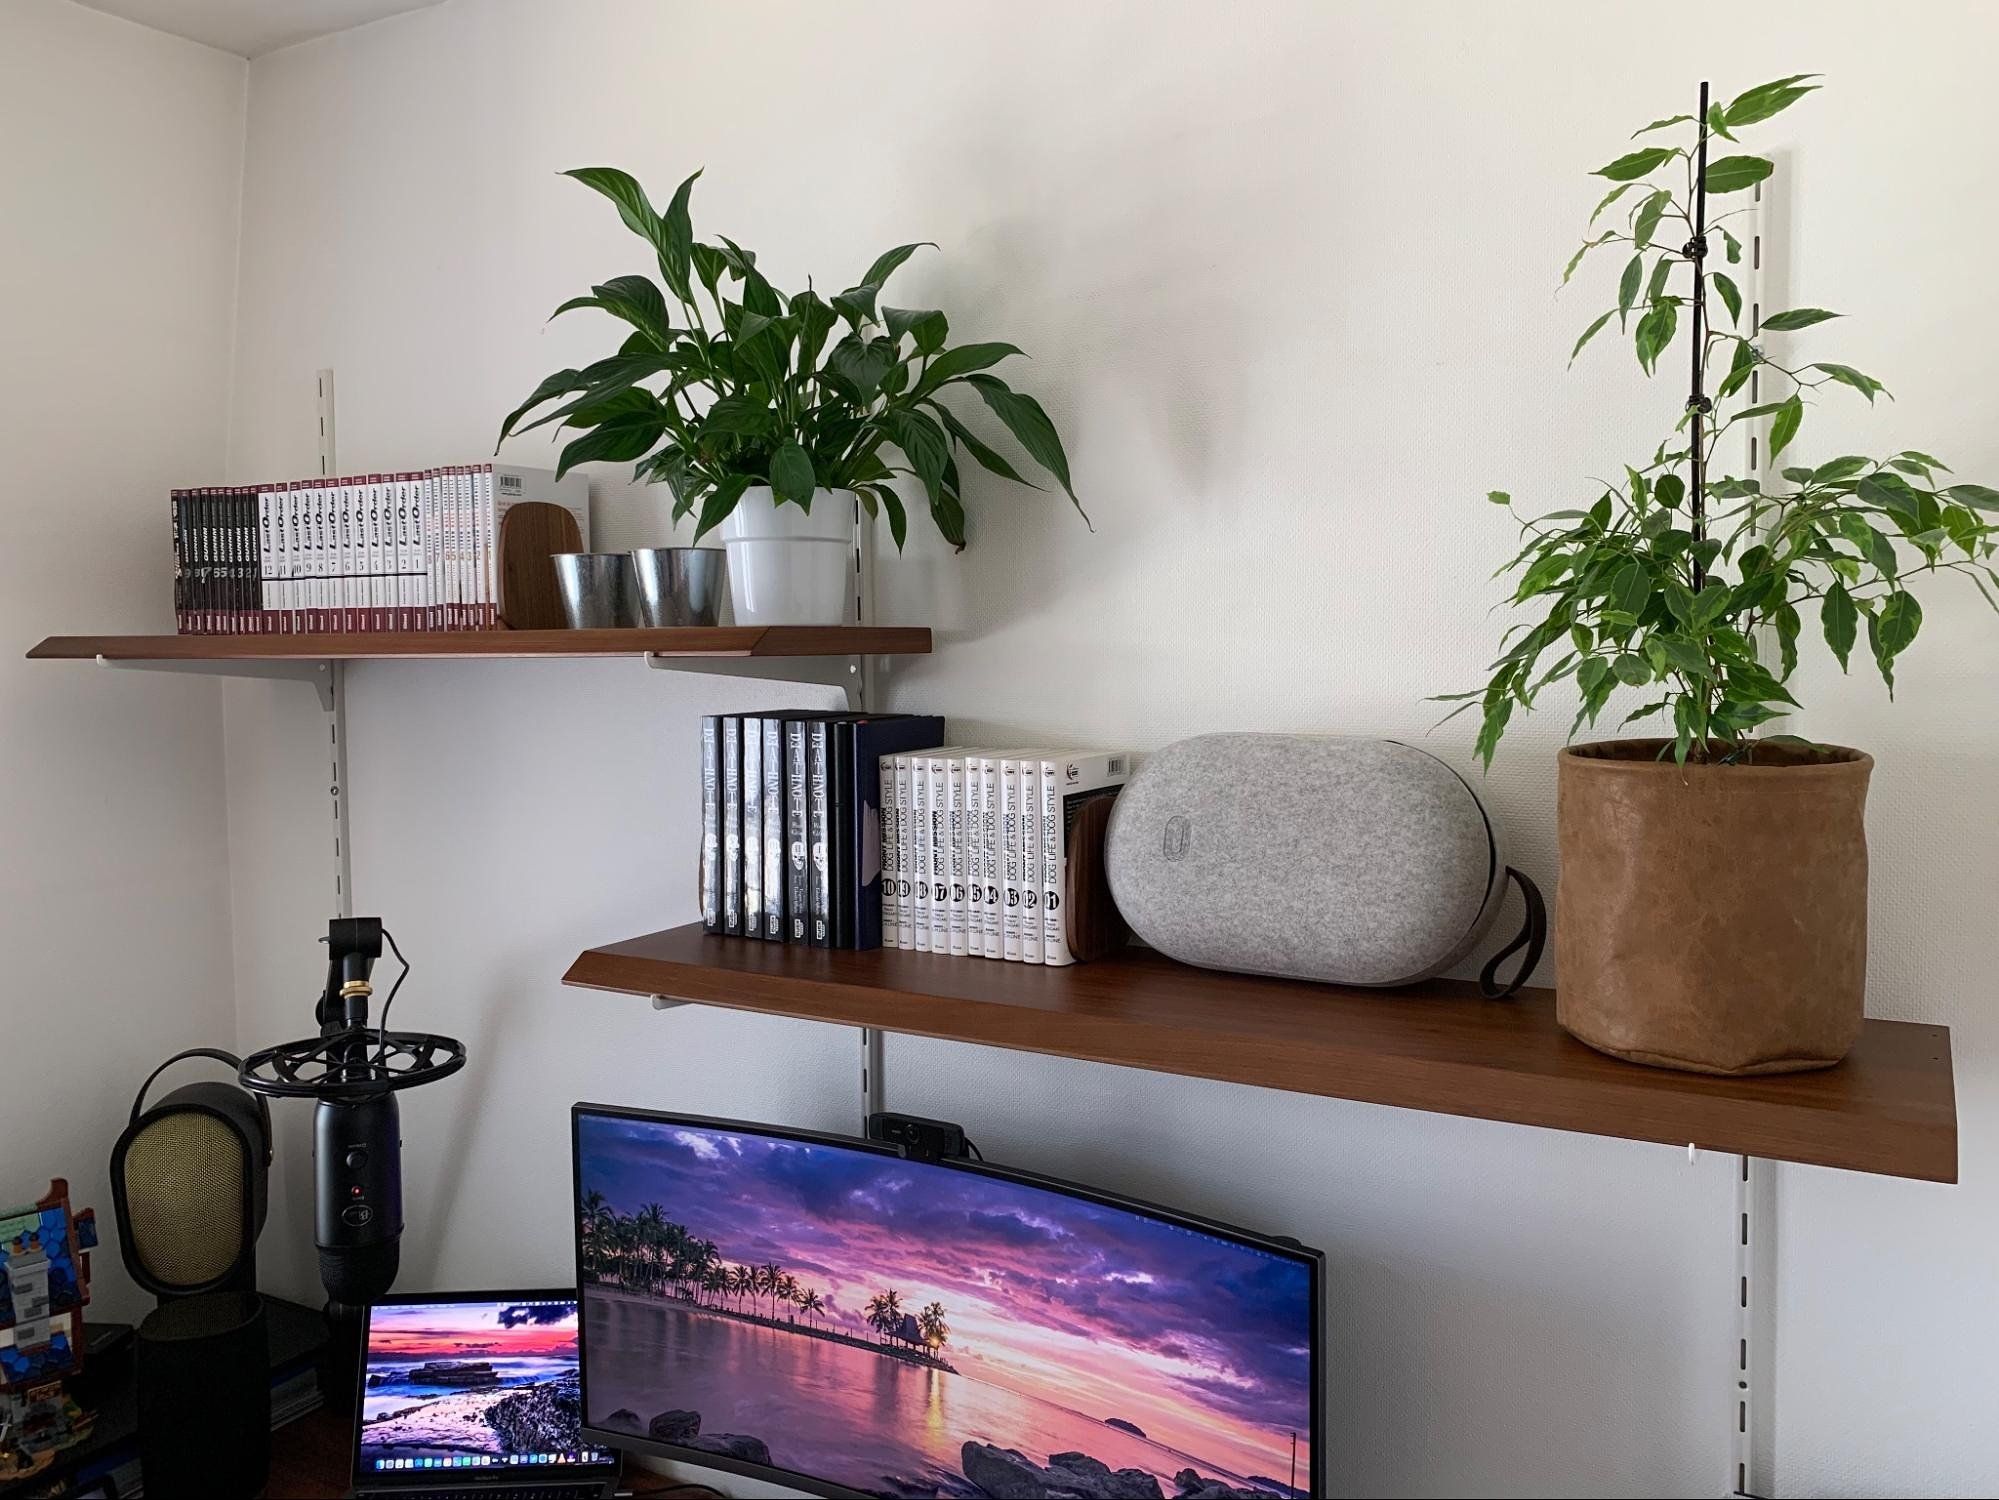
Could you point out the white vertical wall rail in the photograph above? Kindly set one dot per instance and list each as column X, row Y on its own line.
column 862, row 696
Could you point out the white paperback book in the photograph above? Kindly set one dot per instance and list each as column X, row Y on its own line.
column 1012, row 854
column 956, row 904
column 975, row 869
column 937, row 794
column 891, row 856
column 1068, row 780
column 1028, row 773
column 905, row 858
column 989, row 853
column 919, row 838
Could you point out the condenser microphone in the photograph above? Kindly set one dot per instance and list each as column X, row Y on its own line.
column 354, row 1071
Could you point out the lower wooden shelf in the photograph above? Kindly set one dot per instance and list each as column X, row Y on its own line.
column 1889, row 1108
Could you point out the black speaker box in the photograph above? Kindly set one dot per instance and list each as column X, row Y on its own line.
column 204, row 1377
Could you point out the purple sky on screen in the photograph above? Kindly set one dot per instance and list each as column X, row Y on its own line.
column 1108, row 1312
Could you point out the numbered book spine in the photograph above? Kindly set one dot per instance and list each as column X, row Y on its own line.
column 975, row 870
column 1052, row 942
column 773, row 805
column 904, row 871
column 753, row 827
column 1028, row 773
column 1012, row 853
column 957, row 897
column 798, row 834
column 819, row 815
column 732, row 825
column 936, row 827
column 891, row 855
column 991, row 907
column 919, row 851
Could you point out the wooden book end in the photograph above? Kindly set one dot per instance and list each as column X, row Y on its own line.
column 1096, row 930
column 531, row 533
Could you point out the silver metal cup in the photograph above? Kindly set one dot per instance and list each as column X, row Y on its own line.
column 679, row 585
column 598, row 589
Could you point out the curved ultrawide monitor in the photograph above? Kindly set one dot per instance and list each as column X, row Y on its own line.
column 828, row 1314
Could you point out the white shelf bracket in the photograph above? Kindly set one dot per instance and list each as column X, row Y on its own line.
column 334, row 700
column 320, row 674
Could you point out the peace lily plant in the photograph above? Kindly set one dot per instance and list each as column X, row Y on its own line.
column 1712, row 912
column 746, row 392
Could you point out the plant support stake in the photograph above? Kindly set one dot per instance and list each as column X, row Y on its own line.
column 1697, row 401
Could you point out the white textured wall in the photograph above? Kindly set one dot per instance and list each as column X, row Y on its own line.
column 1286, row 270
column 120, row 162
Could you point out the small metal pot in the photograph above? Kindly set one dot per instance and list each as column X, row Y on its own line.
column 598, row 589
column 679, row 585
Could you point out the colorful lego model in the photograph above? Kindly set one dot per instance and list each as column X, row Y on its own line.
column 44, row 1284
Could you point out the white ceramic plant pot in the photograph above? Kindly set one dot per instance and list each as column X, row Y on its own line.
column 788, row 565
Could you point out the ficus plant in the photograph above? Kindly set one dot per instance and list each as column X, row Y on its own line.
column 1691, row 588
column 749, row 390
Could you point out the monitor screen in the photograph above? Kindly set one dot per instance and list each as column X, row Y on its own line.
column 471, row 1385
column 850, row 1318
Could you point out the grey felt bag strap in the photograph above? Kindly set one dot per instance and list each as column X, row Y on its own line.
column 1533, row 936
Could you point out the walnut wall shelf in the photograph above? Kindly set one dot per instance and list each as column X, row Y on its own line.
column 1889, row 1108
column 834, row 655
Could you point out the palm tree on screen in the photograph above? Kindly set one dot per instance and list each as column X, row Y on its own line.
column 936, row 1332
column 809, row 1303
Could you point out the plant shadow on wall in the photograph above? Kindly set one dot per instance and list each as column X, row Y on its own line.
column 1713, row 900
column 756, row 406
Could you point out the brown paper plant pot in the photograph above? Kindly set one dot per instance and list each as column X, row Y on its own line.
column 1712, row 918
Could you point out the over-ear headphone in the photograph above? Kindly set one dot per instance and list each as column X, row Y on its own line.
column 190, row 1184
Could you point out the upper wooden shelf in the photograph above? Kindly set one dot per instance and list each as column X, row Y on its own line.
column 711, row 642
column 1889, row 1108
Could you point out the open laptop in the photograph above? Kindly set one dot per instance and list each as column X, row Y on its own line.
column 474, row 1394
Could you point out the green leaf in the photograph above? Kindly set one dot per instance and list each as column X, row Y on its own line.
column 926, row 326
column 791, row 476
column 561, row 383
column 1975, row 495
column 1655, row 332
column 1924, row 459
column 622, row 189
column 709, row 263
column 1895, row 495
column 1785, row 619
column 1592, row 672
column 898, row 522
column 739, row 416
column 1660, row 272
column 1665, row 124
column 1499, row 497
column 1684, row 656
column 1030, row 427
column 621, row 439
column 1648, row 216
column 1636, row 164
column 1785, row 425
column 1867, row 385
column 1839, row 619
column 721, row 500
column 1630, row 589
column 1890, row 630
column 1797, row 317
column 1627, row 289
column 1731, row 296
column 1739, row 369
column 988, row 459
column 1734, row 247
column 1633, row 671
column 956, row 364
column 816, row 318
column 1734, row 173
column 675, row 242
column 604, row 378
column 862, row 363
column 1767, row 99
column 1715, row 122
column 1839, row 468
column 1584, row 249
column 1669, row 490
column 1590, row 333
column 1609, row 198
column 886, row 263
column 922, row 442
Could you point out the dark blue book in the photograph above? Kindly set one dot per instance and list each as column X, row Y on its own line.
column 862, row 743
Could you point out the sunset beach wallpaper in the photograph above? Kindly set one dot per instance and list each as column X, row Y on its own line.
column 474, row 1384
column 915, row 1330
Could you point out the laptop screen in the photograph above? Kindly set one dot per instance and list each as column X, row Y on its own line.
column 474, row 1385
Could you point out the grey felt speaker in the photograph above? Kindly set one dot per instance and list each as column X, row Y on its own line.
column 1345, row 860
